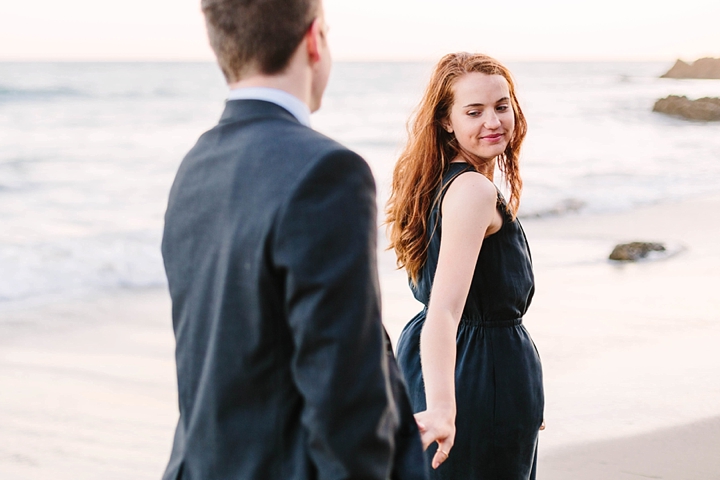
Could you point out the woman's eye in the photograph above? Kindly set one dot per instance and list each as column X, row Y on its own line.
column 474, row 113
column 502, row 108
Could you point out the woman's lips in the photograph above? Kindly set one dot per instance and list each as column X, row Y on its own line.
column 494, row 138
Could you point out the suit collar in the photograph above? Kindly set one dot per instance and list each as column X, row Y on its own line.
column 237, row 110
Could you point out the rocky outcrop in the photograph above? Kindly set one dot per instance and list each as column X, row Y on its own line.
column 704, row 109
column 708, row 68
column 632, row 252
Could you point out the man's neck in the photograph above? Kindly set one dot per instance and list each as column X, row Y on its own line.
column 294, row 84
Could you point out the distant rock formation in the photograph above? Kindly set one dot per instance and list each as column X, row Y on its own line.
column 705, row 109
column 632, row 252
column 708, row 68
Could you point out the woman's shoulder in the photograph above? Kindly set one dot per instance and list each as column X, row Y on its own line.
column 470, row 191
column 471, row 185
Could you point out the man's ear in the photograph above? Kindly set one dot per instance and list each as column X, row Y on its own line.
column 314, row 37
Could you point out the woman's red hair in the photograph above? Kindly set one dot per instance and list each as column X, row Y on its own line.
column 419, row 170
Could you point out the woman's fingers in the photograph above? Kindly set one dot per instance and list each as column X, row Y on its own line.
column 442, row 453
column 434, row 428
column 427, row 434
column 542, row 425
column 428, row 437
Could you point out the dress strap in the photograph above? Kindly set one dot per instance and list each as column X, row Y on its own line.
column 448, row 179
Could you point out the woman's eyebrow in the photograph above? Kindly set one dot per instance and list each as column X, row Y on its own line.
column 503, row 99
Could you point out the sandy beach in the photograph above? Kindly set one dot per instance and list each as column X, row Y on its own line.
column 630, row 356
column 87, row 388
column 632, row 371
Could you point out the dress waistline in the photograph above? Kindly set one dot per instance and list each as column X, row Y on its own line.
column 478, row 321
column 492, row 323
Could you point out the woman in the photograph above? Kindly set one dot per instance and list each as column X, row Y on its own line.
column 478, row 388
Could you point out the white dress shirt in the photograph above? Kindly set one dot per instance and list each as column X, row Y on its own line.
column 279, row 97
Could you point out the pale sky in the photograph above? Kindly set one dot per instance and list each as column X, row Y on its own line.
column 377, row 29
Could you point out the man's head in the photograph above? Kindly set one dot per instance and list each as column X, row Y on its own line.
column 257, row 36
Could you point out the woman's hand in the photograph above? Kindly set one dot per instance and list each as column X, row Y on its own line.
column 437, row 425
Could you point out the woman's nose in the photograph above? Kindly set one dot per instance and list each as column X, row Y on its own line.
column 492, row 120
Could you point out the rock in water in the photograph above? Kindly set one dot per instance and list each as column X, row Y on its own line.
column 632, row 252
column 705, row 109
column 708, row 68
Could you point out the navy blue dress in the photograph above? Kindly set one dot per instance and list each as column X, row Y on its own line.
column 498, row 377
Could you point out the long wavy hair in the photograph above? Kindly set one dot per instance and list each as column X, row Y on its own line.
column 428, row 152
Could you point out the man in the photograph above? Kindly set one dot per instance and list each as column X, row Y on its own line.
column 269, row 248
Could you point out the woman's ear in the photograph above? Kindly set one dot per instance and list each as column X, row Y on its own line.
column 448, row 128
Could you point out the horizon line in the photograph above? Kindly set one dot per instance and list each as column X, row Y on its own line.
column 341, row 60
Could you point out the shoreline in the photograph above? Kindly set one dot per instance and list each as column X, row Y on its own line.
column 87, row 385
column 629, row 349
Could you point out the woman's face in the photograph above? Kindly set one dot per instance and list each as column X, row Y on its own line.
column 481, row 116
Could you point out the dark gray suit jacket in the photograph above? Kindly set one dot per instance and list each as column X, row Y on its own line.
column 283, row 372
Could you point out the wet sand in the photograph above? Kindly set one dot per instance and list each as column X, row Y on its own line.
column 688, row 452
column 87, row 389
column 631, row 357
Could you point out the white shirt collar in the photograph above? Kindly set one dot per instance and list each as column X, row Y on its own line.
column 279, row 97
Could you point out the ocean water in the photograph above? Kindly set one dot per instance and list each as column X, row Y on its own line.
column 88, row 152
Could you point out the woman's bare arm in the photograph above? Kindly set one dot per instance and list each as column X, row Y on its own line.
column 468, row 213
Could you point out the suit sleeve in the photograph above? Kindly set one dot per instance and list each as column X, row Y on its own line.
column 325, row 245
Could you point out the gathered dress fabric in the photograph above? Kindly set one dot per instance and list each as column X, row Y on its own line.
column 498, row 376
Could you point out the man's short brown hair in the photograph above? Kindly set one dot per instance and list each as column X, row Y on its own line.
column 260, row 35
